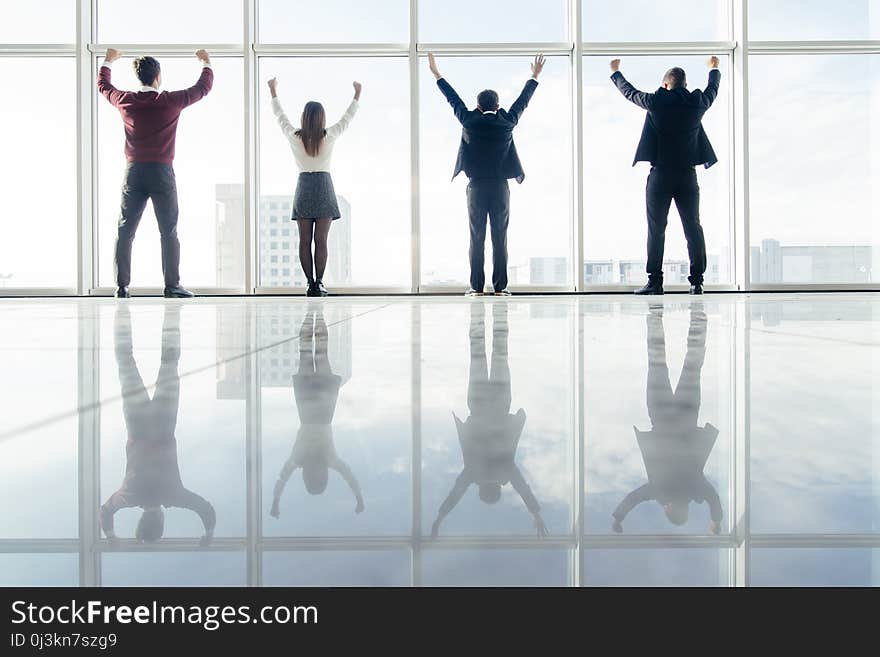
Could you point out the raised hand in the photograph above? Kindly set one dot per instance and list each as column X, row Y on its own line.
column 203, row 56
column 273, row 85
column 112, row 55
column 540, row 527
column 713, row 62
column 538, row 65
column 615, row 65
column 432, row 64
column 357, row 90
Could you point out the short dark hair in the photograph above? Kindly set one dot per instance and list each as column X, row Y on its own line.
column 675, row 78
column 147, row 70
column 487, row 100
column 151, row 526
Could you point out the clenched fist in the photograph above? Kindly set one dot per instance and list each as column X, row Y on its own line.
column 615, row 65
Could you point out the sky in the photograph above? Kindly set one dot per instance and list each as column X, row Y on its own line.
column 803, row 170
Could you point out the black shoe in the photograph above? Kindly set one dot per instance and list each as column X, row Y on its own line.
column 122, row 293
column 320, row 289
column 697, row 289
column 177, row 292
column 652, row 287
column 312, row 290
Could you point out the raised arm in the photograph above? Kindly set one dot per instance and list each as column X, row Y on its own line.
column 342, row 125
column 105, row 86
column 520, row 104
column 711, row 90
column 458, row 107
column 633, row 95
column 186, row 97
column 287, row 128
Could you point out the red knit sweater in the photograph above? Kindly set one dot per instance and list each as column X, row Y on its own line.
column 150, row 118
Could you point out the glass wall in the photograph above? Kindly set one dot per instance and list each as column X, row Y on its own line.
column 814, row 173
column 808, row 216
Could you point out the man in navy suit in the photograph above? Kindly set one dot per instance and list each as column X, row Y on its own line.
column 488, row 157
column 674, row 142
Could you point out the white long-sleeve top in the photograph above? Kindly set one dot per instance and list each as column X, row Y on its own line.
column 306, row 162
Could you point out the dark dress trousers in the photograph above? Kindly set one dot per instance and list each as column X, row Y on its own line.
column 488, row 157
column 674, row 142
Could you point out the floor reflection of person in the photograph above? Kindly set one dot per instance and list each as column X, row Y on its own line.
column 490, row 435
column 152, row 474
column 676, row 448
column 316, row 389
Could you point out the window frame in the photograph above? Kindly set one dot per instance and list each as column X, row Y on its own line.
column 87, row 53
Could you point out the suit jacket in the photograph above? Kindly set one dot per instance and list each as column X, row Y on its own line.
column 487, row 149
column 673, row 133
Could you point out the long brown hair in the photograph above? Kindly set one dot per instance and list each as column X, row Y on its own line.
column 313, row 129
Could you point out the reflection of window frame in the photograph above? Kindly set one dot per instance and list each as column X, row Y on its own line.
column 87, row 53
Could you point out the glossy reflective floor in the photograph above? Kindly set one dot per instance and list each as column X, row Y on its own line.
column 551, row 441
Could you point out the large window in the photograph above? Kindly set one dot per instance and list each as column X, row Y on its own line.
column 807, row 20
column 815, row 177
column 210, row 180
column 46, row 21
column 38, row 229
column 369, row 244
column 170, row 21
column 540, row 208
column 486, row 22
column 615, row 225
column 334, row 21
column 649, row 20
column 793, row 120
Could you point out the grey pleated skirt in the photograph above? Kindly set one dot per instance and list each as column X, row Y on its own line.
column 315, row 197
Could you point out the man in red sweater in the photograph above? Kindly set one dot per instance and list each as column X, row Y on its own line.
column 150, row 117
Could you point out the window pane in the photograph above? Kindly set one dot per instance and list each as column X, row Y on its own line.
column 370, row 243
column 814, row 169
column 615, row 226
column 649, row 20
column 170, row 21
column 462, row 21
column 46, row 21
column 334, row 21
column 497, row 567
column 804, row 20
column 209, row 167
column 38, row 235
column 540, row 225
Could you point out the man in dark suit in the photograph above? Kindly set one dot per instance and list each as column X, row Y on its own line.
column 674, row 142
column 488, row 157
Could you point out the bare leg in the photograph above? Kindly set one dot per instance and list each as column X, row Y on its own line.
column 305, row 247
column 322, row 232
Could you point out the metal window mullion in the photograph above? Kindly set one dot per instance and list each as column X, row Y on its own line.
column 741, row 242
column 657, row 47
column 84, row 123
column 251, row 154
column 414, row 151
column 577, row 70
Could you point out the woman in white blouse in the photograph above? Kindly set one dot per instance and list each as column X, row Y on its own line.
column 314, row 204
